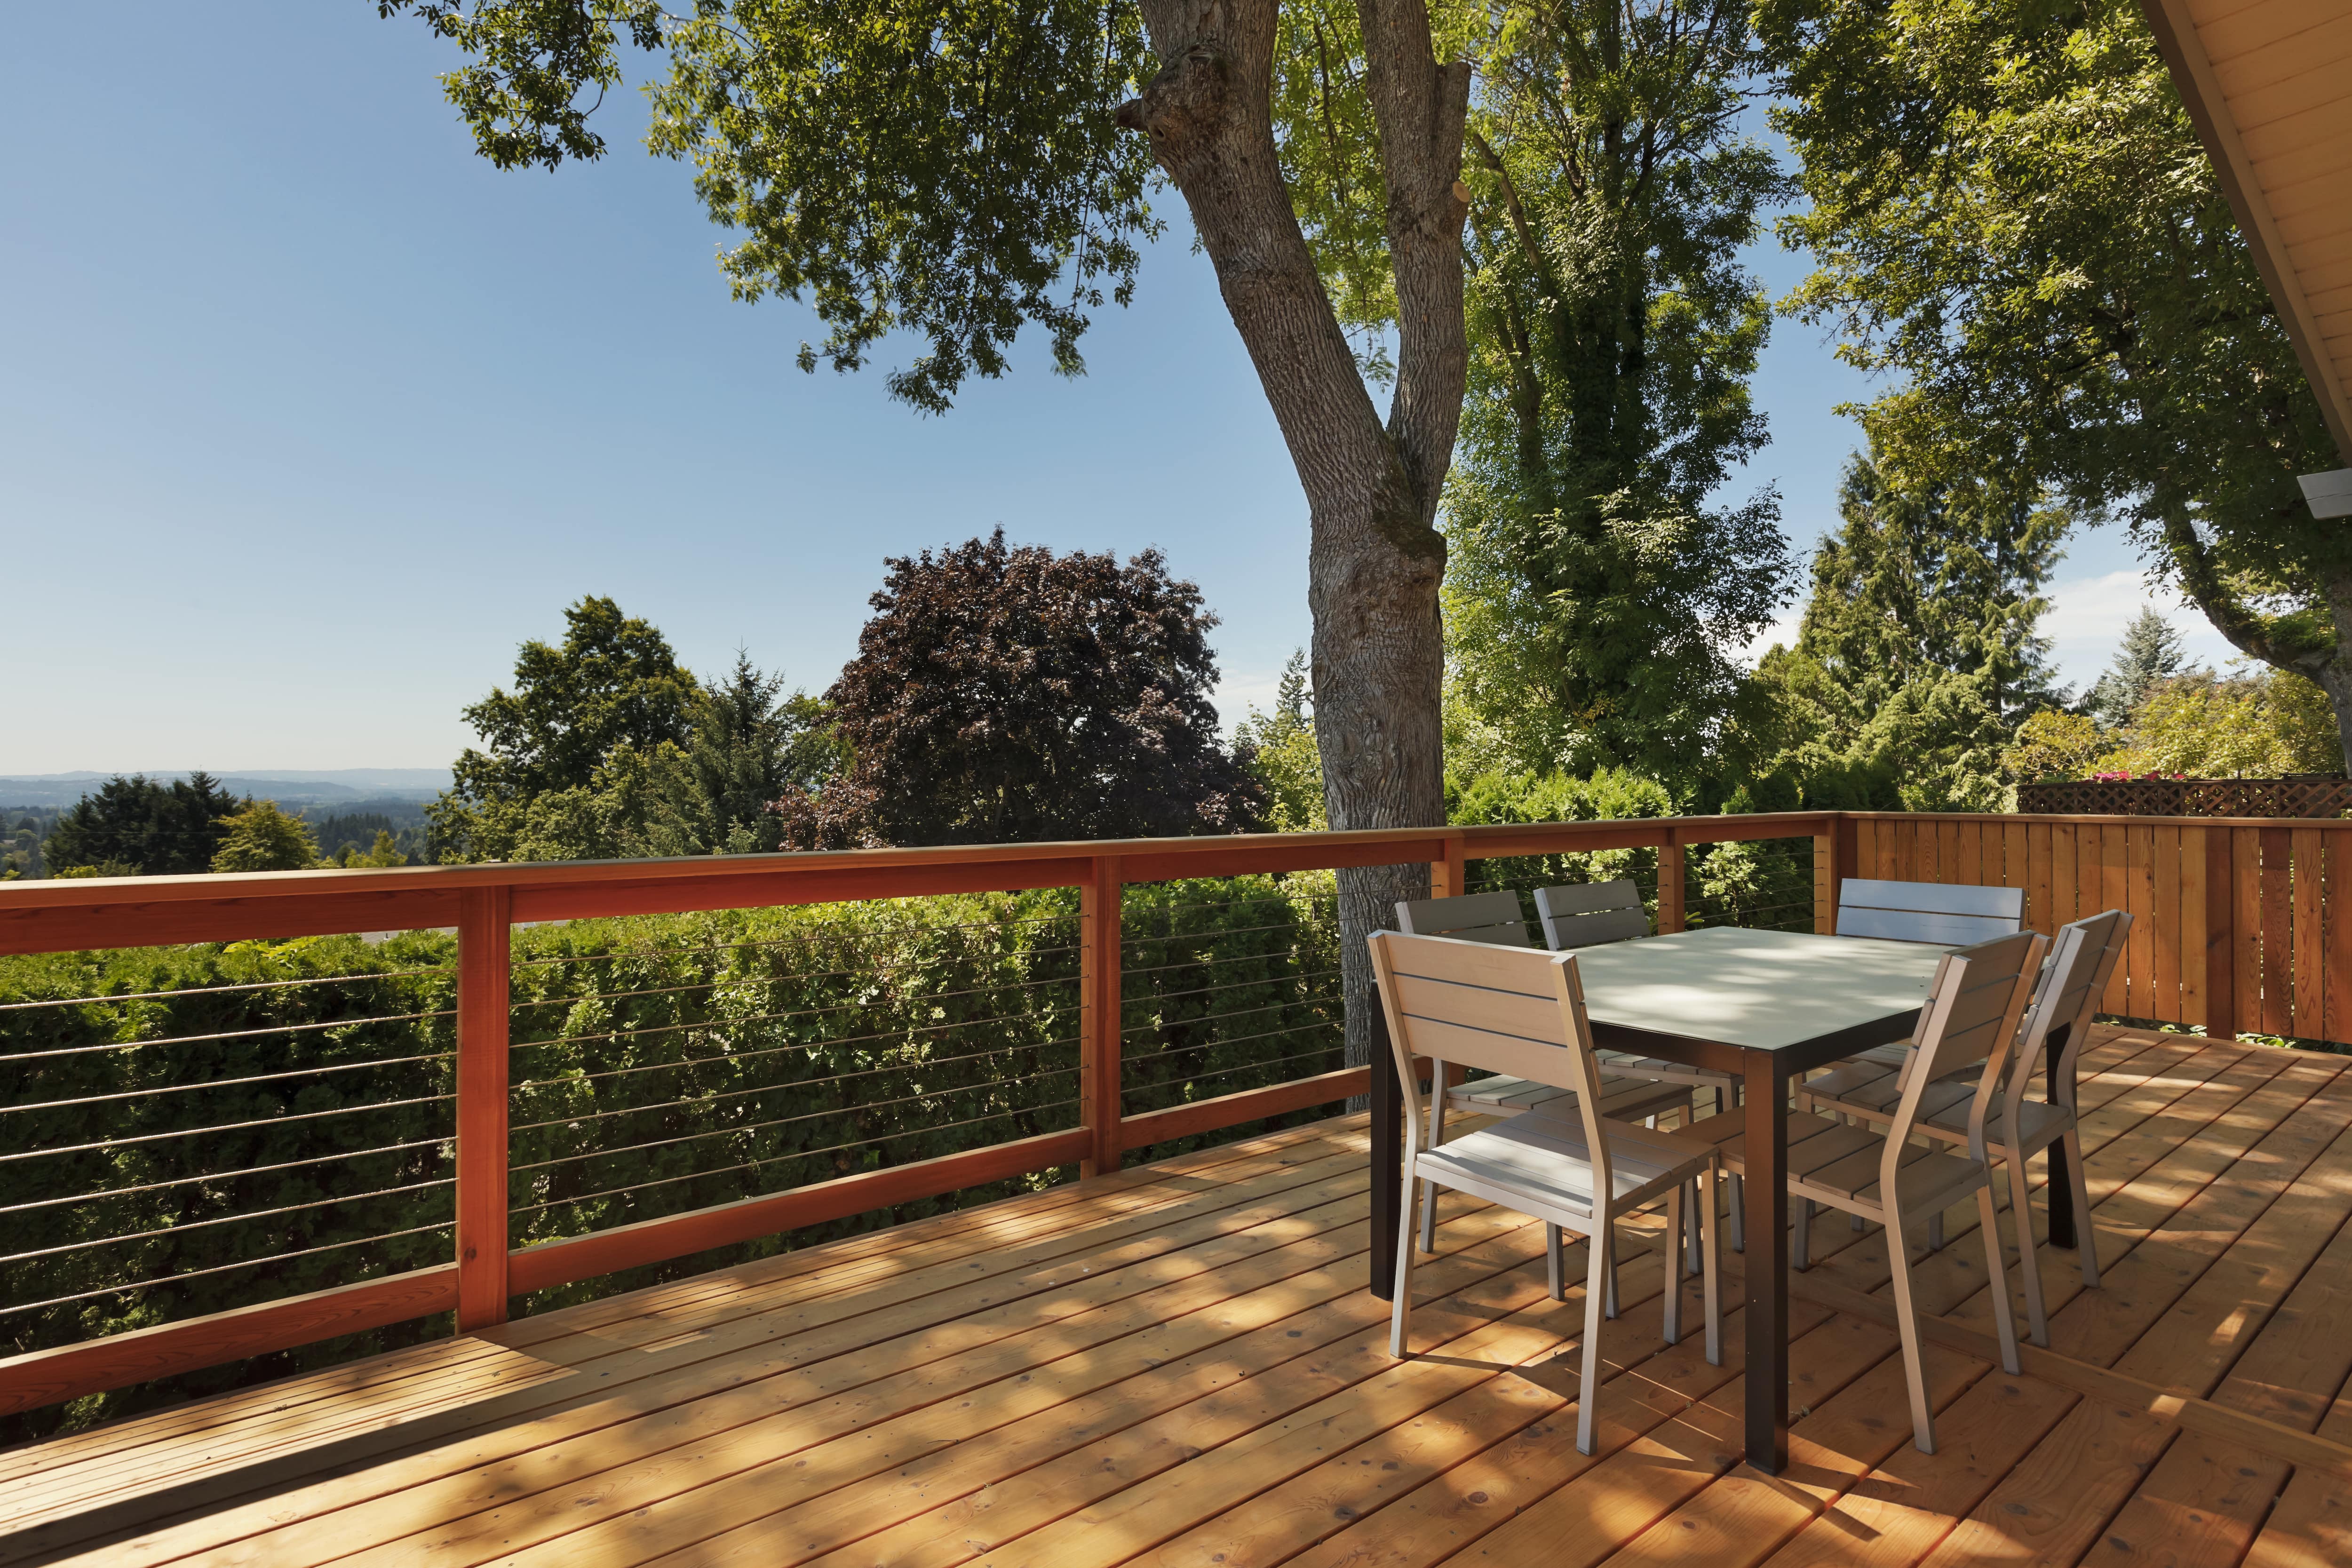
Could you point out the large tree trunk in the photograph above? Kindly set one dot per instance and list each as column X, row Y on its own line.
column 1375, row 555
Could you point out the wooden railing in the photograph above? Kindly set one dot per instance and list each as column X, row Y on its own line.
column 2234, row 933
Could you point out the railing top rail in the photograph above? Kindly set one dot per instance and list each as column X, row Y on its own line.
column 128, row 912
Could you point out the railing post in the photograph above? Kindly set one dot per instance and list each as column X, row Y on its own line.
column 1100, row 1013
column 1450, row 877
column 1670, row 882
column 484, row 975
column 1837, row 855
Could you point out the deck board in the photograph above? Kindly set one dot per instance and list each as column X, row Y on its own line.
column 1180, row 1366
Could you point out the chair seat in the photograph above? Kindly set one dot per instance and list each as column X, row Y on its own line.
column 2039, row 1124
column 1840, row 1165
column 1546, row 1159
column 1621, row 1099
column 1663, row 1071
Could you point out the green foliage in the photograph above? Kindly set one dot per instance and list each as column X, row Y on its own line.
column 2262, row 725
column 2012, row 214
column 1005, row 695
column 384, row 853
column 21, row 832
column 1605, row 637
column 608, row 747
column 1918, row 655
column 2151, row 653
column 1281, row 751
column 953, row 171
column 660, row 1064
column 614, row 683
column 263, row 838
column 160, row 829
column 2057, row 745
column 751, row 746
column 1596, row 600
column 344, row 835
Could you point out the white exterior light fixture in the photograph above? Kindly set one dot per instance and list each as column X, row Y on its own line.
column 2329, row 495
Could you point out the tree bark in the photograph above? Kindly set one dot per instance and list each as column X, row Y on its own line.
column 1375, row 556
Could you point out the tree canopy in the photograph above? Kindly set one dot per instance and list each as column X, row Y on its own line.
column 260, row 837
column 2010, row 209
column 2151, row 652
column 1597, row 600
column 1003, row 694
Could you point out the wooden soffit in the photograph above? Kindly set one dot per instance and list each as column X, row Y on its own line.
column 2269, row 83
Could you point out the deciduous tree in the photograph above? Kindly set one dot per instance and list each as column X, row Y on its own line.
column 1002, row 695
column 261, row 837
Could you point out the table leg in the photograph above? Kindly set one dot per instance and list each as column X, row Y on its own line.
column 1766, row 1264
column 1388, row 1160
column 2061, row 1190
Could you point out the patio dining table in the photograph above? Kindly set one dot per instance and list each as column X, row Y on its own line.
column 1765, row 1005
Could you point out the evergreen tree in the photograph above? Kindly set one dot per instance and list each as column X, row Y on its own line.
column 2152, row 652
column 1918, row 656
column 260, row 837
column 751, row 746
column 160, row 829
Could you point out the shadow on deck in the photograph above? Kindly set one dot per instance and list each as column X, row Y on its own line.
column 1180, row 1365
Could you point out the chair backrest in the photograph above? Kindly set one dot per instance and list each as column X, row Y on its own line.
column 1492, row 918
column 2066, row 1001
column 1947, row 914
column 1588, row 915
column 1971, row 1015
column 1517, row 1013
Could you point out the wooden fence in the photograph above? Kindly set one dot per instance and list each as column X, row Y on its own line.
column 2237, row 925
column 2234, row 933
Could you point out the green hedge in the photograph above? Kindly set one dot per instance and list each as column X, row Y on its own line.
column 661, row 1064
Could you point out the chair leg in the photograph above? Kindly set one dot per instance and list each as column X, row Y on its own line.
column 1710, row 1266
column 1607, row 1244
column 1801, row 1252
column 2086, row 1243
column 1400, row 1309
column 1907, row 1323
column 1588, row 1389
column 1436, row 1136
column 1739, row 1207
column 1552, row 1264
column 1936, row 1231
column 2004, row 1320
column 1690, row 1230
column 2028, row 1255
column 1673, row 1292
column 1856, row 1222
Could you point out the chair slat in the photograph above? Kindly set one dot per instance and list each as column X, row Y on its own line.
column 1495, row 919
column 1934, row 898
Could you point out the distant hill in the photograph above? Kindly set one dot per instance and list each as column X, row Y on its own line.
column 285, row 785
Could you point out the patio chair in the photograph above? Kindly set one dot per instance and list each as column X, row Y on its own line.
column 1599, row 912
column 1495, row 919
column 1521, row 1012
column 1945, row 914
column 2065, row 1000
column 1881, row 1175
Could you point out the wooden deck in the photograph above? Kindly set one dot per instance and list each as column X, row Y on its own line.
column 1180, row 1365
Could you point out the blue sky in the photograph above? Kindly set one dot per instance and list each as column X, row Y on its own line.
column 307, row 416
